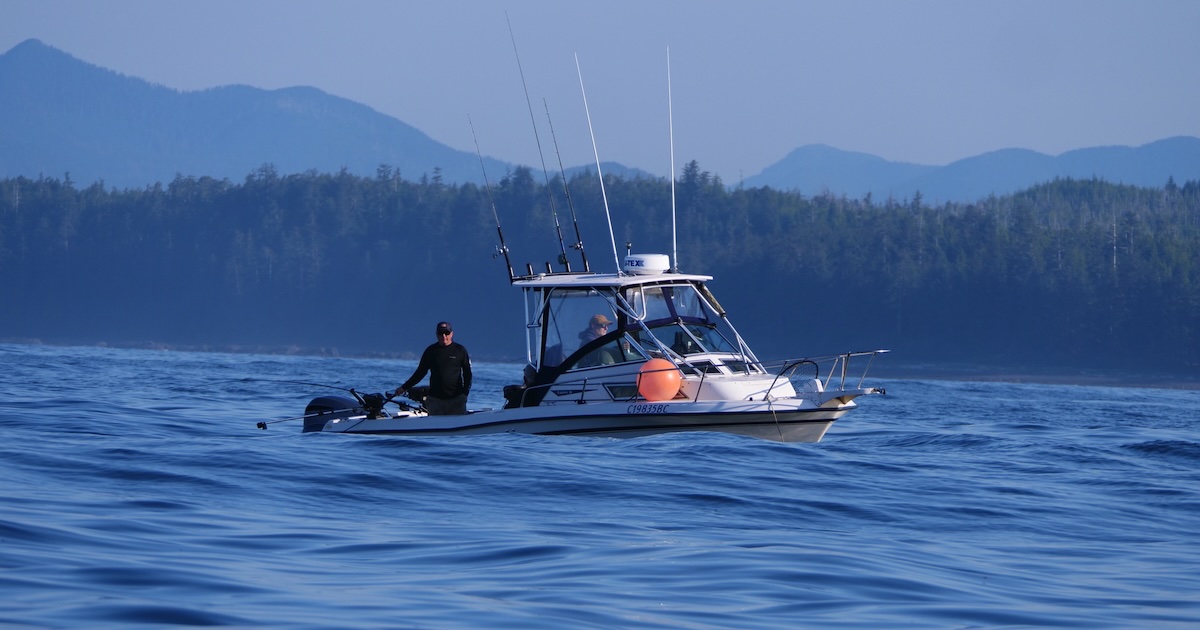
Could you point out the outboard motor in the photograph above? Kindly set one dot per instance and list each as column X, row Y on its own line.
column 325, row 408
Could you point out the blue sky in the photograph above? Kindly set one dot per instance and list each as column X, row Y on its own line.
column 926, row 81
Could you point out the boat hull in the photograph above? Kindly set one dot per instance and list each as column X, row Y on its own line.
column 781, row 423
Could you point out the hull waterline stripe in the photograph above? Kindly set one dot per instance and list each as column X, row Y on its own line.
column 765, row 421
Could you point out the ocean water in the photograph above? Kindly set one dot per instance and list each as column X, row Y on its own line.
column 136, row 491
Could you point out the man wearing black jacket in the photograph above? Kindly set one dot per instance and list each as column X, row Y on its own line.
column 449, row 369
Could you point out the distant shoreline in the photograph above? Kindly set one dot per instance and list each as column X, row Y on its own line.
column 1059, row 375
column 881, row 370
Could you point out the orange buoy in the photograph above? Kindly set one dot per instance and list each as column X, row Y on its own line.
column 658, row 380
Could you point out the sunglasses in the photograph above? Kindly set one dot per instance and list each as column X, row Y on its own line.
column 445, row 332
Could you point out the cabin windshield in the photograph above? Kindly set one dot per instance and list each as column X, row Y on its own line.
column 682, row 320
column 566, row 328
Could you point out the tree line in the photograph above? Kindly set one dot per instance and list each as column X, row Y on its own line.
column 1071, row 273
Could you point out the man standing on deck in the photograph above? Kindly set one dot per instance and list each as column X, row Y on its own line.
column 449, row 369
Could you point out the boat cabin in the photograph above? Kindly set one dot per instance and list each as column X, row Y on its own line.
column 594, row 331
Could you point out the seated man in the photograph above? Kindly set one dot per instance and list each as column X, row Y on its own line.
column 597, row 328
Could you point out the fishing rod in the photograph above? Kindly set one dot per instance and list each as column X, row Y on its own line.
column 370, row 404
column 263, row 425
column 277, row 380
column 567, row 191
column 562, row 256
column 503, row 249
column 612, row 238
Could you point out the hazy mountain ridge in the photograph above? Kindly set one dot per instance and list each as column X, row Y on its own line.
column 814, row 169
column 63, row 115
column 69, row 116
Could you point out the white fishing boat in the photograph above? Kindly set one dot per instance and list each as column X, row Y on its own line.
column 669, row 360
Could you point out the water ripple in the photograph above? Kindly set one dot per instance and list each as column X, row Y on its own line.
column 138, row 492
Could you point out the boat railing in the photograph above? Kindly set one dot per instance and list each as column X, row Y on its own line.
column 837, row 374
column 582, row 383
column 838, row 371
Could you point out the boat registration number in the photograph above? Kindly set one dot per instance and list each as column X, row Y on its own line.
column 644, row 408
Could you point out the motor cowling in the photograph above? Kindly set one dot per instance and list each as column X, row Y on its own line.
column 325, row 408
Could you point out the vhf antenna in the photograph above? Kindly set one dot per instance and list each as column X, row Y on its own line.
column 671, row 126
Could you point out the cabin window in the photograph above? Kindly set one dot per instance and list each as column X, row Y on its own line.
column 669, row 302
column 697, row 367
column 710, row 338
column 568, row 321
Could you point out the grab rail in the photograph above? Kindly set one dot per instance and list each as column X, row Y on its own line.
column 839, row 368
column 839, row 365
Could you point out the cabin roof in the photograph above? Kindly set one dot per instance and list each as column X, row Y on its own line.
column 581, row 280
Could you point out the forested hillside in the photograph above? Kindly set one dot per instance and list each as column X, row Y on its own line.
column 1081, row 274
